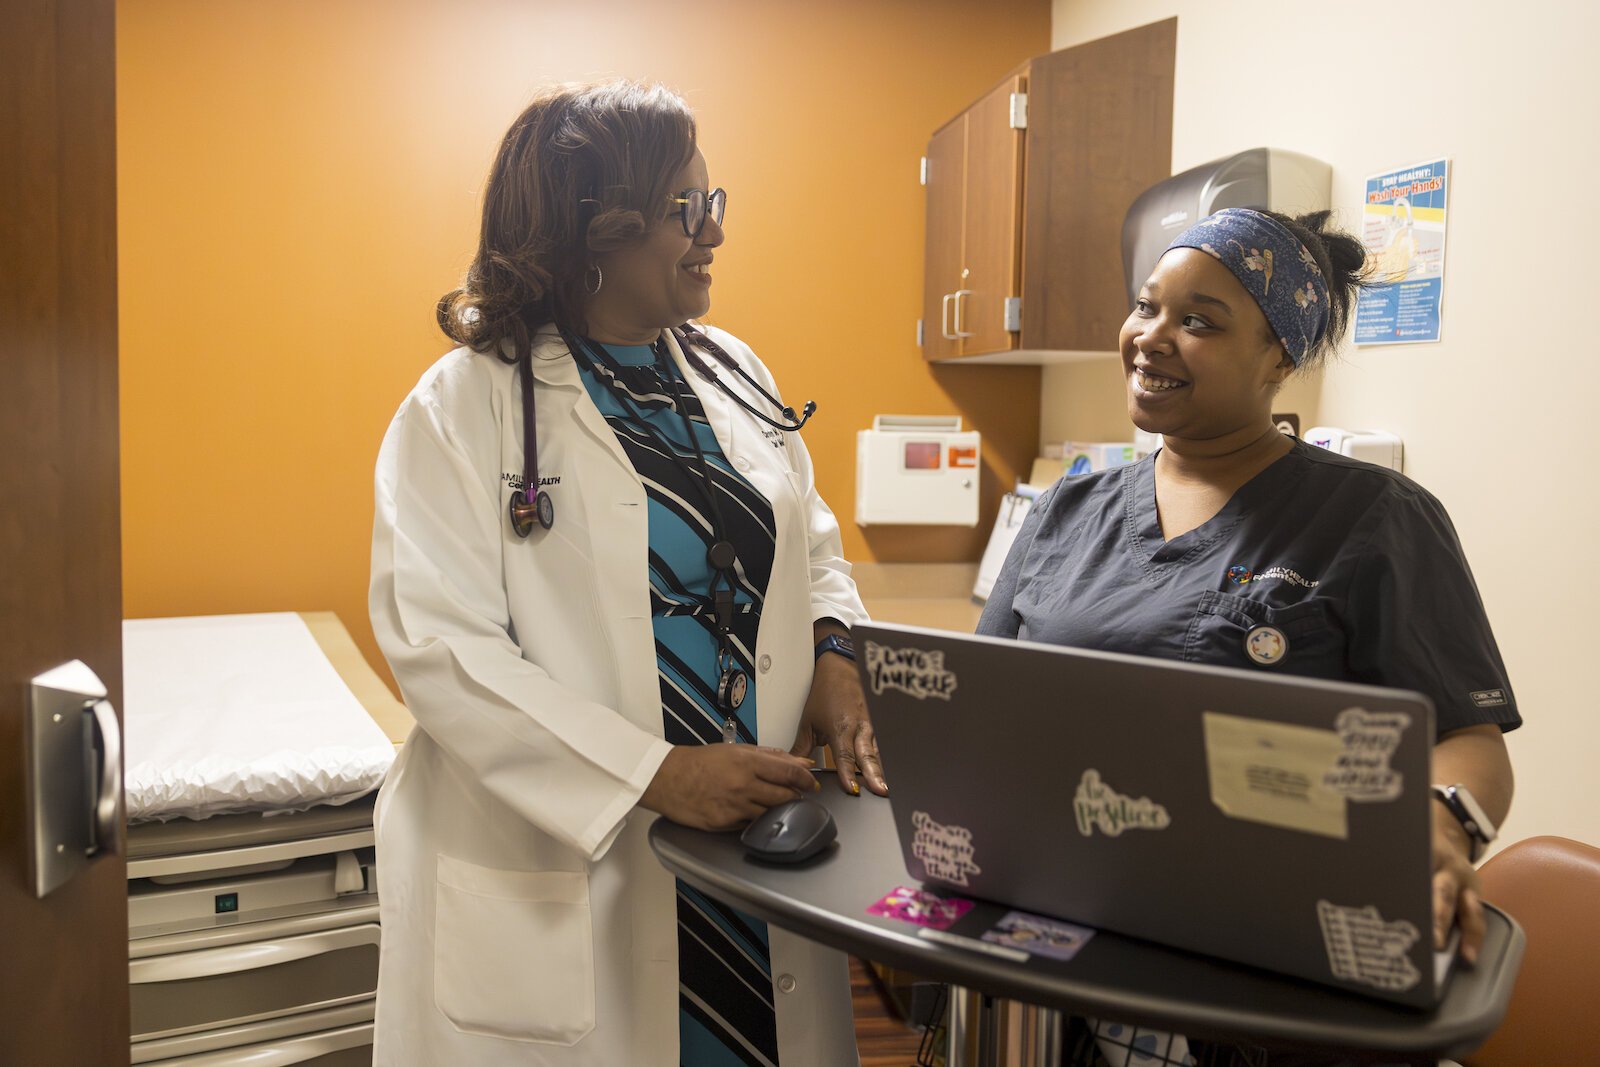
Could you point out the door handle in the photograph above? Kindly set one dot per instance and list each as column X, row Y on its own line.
column 958, row 294
column 108, row 748
column 74, row 774
column 944, row 318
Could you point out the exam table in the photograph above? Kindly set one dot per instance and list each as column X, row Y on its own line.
column 255, row 745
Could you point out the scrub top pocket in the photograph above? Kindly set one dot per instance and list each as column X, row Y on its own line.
column 1233, row 631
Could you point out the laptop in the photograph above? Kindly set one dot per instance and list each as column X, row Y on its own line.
column 1277, row 821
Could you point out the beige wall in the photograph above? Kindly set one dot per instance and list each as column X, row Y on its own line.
column 1487, row 415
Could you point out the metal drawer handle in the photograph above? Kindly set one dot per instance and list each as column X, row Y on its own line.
column 288, row 1052
column 944, row 317
column 230, row 959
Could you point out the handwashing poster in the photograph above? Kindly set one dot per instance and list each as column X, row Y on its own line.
column 1402, row 225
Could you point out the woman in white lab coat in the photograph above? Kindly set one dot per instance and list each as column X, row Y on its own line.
column 525, row 919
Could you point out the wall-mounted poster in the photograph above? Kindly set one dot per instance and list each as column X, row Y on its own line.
column 1402, row 225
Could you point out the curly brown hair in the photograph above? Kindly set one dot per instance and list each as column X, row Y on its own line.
column 584, row 169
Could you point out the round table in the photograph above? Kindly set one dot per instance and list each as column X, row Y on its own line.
column 1112, row 976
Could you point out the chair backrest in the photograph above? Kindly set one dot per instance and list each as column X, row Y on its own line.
column 1551, row 886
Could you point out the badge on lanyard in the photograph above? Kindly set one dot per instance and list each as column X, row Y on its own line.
column 1266, row 645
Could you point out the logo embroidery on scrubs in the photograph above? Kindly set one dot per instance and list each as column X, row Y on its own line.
column 1239, row 574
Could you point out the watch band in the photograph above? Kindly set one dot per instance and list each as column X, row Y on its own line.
column 1460, row 802
column 835, row 643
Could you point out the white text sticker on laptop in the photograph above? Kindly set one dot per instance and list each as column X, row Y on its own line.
column 1364, row 948
column 945, row 851
column 909, row 670
column 1362, row 771
column 1097, row 805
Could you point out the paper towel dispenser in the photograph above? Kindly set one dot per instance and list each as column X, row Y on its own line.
column 1268, row 178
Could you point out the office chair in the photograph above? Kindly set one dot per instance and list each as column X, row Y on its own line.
column 1551, row 886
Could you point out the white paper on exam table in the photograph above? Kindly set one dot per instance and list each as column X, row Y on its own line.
column 240, row 713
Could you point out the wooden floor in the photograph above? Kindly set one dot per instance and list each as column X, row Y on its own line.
column 883, row 1039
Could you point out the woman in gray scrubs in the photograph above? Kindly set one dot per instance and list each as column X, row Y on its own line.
column 1238, row 546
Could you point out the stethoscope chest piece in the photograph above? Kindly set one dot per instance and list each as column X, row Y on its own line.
column 524, row 514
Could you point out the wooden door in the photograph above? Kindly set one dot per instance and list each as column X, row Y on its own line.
column 64, row 982
column 991, row 255
column 946, row 194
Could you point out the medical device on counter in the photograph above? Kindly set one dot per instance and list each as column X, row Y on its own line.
column 917, row 470
column 1369, row 446
column 1263, row 178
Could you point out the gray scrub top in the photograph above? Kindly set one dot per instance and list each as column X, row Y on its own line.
column 1320, row 566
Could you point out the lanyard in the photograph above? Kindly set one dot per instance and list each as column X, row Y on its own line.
column 732, row 683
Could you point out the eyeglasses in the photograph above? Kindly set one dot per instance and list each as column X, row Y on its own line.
column 695, row 205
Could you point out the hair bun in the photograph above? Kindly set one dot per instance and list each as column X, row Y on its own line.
column 1346, row 255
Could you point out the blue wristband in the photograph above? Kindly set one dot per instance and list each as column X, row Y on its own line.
column 835, row 643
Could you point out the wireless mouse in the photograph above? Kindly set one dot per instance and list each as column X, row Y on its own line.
column 792, row 832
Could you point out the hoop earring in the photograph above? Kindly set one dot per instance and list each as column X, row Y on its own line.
column 599, row 279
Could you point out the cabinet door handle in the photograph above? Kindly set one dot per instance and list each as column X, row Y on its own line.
column 958, row 294
column 944, row 318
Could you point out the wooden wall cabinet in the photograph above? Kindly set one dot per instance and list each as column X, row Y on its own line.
column 1026, row 194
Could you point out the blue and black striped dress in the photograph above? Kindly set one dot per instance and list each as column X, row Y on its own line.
column 725, row 1000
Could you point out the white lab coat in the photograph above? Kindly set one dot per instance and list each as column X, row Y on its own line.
column 525, row 920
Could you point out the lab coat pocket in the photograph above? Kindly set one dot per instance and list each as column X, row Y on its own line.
column 514, row 953
column 1235, row 631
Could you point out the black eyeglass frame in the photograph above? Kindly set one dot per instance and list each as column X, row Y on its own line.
column 713, row 205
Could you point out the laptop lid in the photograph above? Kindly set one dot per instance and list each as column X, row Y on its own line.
column 1269, row 819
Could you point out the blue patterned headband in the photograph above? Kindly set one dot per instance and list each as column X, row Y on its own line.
column 1275, row 269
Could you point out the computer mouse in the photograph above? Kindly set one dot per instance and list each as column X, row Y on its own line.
column 792, row 832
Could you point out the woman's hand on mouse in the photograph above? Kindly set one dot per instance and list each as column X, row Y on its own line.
column 836, row 715
column 722, row 787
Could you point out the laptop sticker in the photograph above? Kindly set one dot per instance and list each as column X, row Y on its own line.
column 1039, row 935
column 1272, row 773
column 1096, row 804
column 909, row 670
column 920, row 907
column 945, row 851
column 1363, row 948
column 1362, row 772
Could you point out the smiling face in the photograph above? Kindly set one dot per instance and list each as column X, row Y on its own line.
column 663, row 280
column 1199, row 360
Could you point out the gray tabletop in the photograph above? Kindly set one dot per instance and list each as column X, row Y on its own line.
column 1112, row 977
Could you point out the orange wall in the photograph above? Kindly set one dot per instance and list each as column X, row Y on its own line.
column 300, row 181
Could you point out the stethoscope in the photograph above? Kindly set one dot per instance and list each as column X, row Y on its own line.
column 525, row 510
column 732, row 683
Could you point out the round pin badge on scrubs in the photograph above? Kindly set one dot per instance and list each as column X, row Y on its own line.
column 1266, row 645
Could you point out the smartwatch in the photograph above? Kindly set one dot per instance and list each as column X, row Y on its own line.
column 835, row 643
column 1465, row 807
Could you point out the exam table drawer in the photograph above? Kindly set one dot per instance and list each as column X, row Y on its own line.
column 182, row 992
column 347, row 1047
